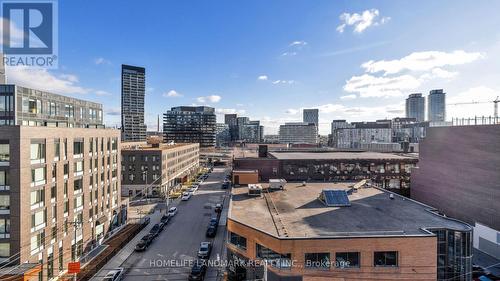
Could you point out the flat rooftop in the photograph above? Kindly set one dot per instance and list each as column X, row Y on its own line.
column 340, row 155
column 301, row 215
column 134, row 146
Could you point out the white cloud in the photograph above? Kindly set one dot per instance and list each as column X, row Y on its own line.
column 211, row 99
column 229, row 111
column 102, row 93
column 298, row 43
column 16, row 33
column 372, row 86
column 101, row 60
column 172, row 94
column 475, row 101
column 283, row 82
column 396, row 77
column 292, row 111
column 44, row 80
column 113, row 111
column 262, row 78
column 361, row 21
column 69, row 77
column 285, row 54
column 348, row 97
column 421, row 61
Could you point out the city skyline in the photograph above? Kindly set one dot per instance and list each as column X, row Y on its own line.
column 351, row 61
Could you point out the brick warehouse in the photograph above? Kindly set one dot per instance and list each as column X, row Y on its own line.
column 378, row 236
column 387, row 170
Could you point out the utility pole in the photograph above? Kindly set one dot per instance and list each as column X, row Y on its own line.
column 75, row 225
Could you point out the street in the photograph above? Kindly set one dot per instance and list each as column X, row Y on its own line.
column 170, row 255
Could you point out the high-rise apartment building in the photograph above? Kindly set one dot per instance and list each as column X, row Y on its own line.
column 298, row 133
column 132, row 105
column 29, row 107
column 190, row 124
column 415, row 107
column 311, row 116
column 231, row 121
column 436, row 107
column 222, row 135
column 55, row 181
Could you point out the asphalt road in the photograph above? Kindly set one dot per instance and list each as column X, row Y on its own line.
column 171, row 254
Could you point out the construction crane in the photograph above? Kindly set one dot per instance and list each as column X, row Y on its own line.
column 495, row 102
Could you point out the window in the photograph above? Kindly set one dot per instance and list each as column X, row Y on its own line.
column 4, row 152
column 37, row 241
column 66, row 206
column 37, row 197
column 61, row 263
column 38, row 218
column 66, row 170
column 347, row 259
column 37, row 153
column 238, row 241
column 52, row 109
column 78, row 185
column 275, row 259
column 389, row 258
column 317, row 260
column 5, row 250
column 57, row 149
column 4, row 202
column 78, row 167
column 38, row 176
column 54, row 212
column 65, row 148
column 78, row 201
column 78, row 147
column 32, row 106
column 4, row 228
column 4, row 180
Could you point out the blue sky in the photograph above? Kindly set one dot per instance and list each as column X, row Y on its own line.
column 354, row 60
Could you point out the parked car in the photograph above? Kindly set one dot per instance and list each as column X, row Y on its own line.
column 146, row 220
column 198, row 271
column 185, row 196
column 211, row 231
column 225, row 185
column 213, row 222
column 205, row 250
column 218, row 208
column 191, row 190
column 165, row 218
column 172, row 211
column 155, row 230
column 114, row 275
column 144, row 243
column 162, row 225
